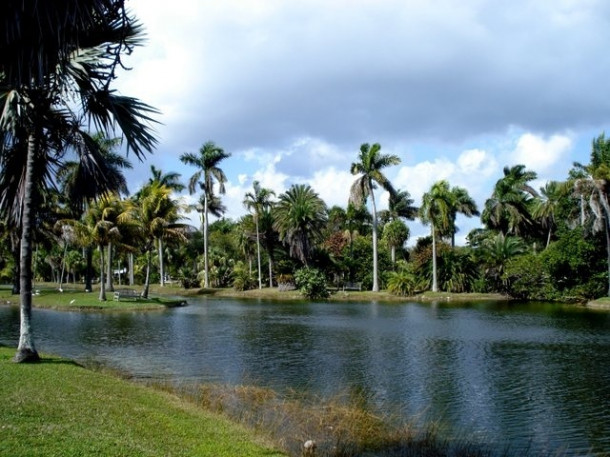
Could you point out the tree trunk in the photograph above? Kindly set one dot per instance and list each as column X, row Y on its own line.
column 375, row 267
column 258, row 254
column 270, row 269
column 147, row 280
column 434, row 278
column 393, row 252
column 16, row 252
column 63, row 268
column 89, row 269
column 206, row 282
column 161, row 270
column 109, row 273
column 102, row 279
column 26, row 351
column 130, row 257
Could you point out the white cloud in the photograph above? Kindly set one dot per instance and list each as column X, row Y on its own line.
column 540, row 154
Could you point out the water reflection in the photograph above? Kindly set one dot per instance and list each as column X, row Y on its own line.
column 532, row 375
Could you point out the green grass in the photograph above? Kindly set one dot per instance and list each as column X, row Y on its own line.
column 56, row 408
column 75, row 299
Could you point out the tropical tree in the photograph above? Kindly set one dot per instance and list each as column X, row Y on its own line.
column 496, row 252
column 462, row 203
column 547, row 204
column 258, row 202
column 300, row 218
column 436, row 210
column 369, row 168
column 596, row 187
column 395, row 234
column 171, row 180
column 57, row 63
column 207, row 160
column 509, row 207
column 157, row 215
column 98, row 170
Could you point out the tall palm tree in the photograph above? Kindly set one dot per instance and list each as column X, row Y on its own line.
column 97, row 170
column 300, row 218
column 207, row 160
column 49, row 50
column 508, row 209
column 436, row 210
column 369, row 168
column 258, row 202
column 462, row 203
column 595, row 185
column 158, row 215
column 547, row 205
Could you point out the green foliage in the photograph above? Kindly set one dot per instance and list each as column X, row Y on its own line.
column 402, row 281
column 525, row 278
column 311, row 282
column 242, row 278
column 359, row 261
column 569, row 269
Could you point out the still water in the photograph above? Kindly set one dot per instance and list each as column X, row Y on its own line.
column 532, row 376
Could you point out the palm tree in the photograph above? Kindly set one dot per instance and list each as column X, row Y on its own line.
column 48, row 50
column 508, row 208
column 462, row 203
column 98, row 170
column 258, row 202
column 157, row 214
column 369, row 166
column 595, row 185
column 496, row 252
column 395, row 233
column 547, row 205
column 436, row 210
column 300, row 217
column 171, row 180
column 207, row 161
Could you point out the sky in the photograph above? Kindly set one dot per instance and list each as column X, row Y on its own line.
column 291, row 89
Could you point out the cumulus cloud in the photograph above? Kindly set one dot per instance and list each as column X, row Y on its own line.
column 540, row 154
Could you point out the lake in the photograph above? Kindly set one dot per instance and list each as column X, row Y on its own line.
column 535, row 376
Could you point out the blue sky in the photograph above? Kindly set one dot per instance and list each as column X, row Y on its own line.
column 456, row 89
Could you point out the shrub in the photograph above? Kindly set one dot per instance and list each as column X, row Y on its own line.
column 403, row 281
column 311, row 282
column 242, row 278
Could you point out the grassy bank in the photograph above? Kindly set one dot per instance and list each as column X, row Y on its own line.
column 346, row 296
column 58, row 408
column 73, row 298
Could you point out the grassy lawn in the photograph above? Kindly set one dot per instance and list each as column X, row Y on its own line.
column 75, row 299
column 57, row 408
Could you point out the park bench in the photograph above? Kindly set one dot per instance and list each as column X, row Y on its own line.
column 352, row 286
column 126, row 293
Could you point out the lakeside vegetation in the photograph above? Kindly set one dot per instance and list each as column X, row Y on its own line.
column 59, row 408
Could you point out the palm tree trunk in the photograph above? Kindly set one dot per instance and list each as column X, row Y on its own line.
column 89, row 269
column 147, row 280
column 102, row 281
column 206, row 282
column 393, row 253
column 26, row 351
column 375, row 267
column 270, row 271
column 130, row 257
column 63, row 268
column 434, row 276
column 16, row 252
column 161, row 272
column 109, row 273
column 258, row 254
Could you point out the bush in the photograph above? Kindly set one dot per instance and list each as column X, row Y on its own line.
column 242, row 279
column 403, row 281
column 311, row 282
